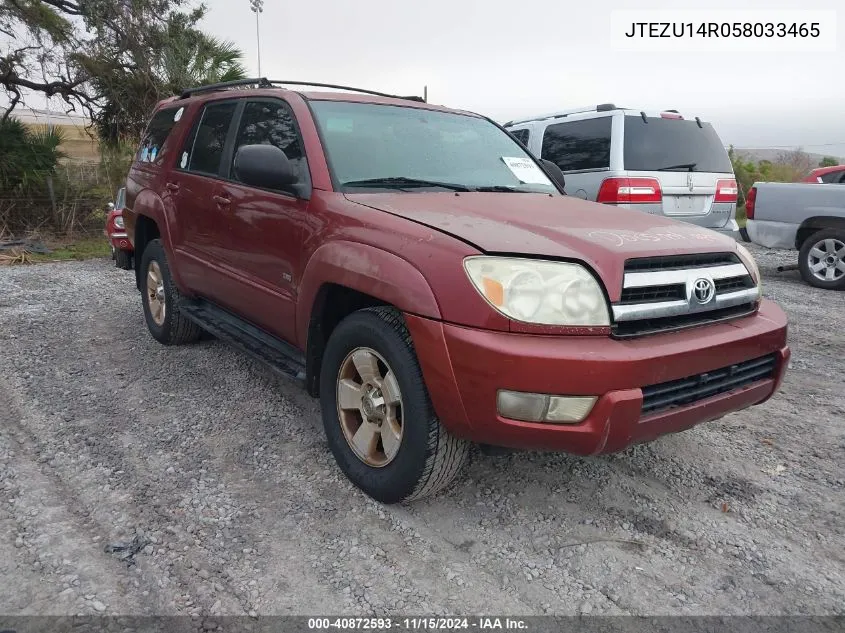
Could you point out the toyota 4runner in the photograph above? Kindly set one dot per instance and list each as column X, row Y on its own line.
column 430, row 282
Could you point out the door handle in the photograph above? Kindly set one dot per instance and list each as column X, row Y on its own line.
column 221, row 200
column 172, row 186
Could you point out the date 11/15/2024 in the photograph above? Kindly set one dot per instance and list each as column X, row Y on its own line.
column 418, row 624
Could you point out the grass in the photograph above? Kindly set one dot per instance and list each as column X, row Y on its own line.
column 79, row 249
column 740, row 216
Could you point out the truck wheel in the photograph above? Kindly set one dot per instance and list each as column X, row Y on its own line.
column 123, row 260
column 822, row 259
column 379, row 421
column 161, row 300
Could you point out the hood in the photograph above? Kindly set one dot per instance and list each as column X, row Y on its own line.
column 600, row 235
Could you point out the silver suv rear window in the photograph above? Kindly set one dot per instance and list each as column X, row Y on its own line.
column 673, row 145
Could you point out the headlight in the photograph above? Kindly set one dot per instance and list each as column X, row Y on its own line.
column 534, row 291
column 118, row 222
column 748, row 259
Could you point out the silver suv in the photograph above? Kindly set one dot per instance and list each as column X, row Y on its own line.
column 658, row 163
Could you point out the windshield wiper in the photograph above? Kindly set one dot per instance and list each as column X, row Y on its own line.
column 400, row 182
column 689, row 166
column 503, row 189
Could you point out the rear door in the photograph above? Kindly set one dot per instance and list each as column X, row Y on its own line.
column 689, row 160
column 193, row 186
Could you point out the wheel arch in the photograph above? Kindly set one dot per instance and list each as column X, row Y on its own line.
column 343, row 277
column 814, row 225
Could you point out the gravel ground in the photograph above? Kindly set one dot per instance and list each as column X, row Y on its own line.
column 217, row 473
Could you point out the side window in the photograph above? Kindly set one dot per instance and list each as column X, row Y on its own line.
column 272, row 123
column 203, row 153
column 831, row 177
column 522, row 135
column 153, row 146
column 842, row 179
column 578, row 144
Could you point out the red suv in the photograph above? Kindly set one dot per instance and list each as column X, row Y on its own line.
column 431, row 283
column 115, row 231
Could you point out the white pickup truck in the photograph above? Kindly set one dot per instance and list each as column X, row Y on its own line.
column 809, row 218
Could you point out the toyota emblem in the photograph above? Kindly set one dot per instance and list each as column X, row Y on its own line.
column 703, row 290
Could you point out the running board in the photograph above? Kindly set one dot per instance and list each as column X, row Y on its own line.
column 277, row 354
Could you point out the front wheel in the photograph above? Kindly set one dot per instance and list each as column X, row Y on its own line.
column 378, row 418
column 822, row 259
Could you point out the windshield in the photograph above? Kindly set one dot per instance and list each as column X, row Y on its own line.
column 377, row 147
column 673, row 145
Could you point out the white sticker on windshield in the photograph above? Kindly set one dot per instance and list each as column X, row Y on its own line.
column 179, row 114
column 526, row 171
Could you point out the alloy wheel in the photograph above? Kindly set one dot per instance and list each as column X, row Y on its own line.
column 369, row 407
column 155, row 293
column 827, row 259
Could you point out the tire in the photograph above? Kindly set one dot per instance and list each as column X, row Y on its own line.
column 743, row 234
column 824, row 248
column 123, row 260
column 171, row 327
column 428, row 457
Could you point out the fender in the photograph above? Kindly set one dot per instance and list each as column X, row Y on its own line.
column 149, row 204
column 366, row 269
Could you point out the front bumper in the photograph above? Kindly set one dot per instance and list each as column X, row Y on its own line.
column 464, row 368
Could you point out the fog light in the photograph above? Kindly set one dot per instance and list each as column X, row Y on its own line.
column 530, row 407
column 537, row 407
column 569, row 409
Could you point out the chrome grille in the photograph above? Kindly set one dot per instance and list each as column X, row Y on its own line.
column 679, row 393
column 667, row 293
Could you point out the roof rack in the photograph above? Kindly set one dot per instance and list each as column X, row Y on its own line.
column 602, row 107
column 339, row 87
column 263, row 82
column 225, row 85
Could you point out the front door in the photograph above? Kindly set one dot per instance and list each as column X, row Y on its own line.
column 264, row 234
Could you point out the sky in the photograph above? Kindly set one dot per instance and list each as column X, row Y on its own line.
column 512, row 59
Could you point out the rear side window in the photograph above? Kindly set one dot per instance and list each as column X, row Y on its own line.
column 153, row 146
column 579, row 144
column 522, row 135
column 272, row 123
column 660, row 144
column 833, row 177
column 203, row 152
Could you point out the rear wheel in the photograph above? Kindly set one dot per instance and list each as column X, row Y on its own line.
column 822, row 259
column 379, row 421
column 162, row 300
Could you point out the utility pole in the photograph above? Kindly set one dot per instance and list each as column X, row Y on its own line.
column 257, row 7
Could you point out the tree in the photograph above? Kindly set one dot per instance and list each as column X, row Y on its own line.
column 112, row 58
column 828, row 161
column 795, row 164
column 184, row 57
column 27, row 156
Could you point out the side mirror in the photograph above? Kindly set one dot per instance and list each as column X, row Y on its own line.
column 264, row 166
column 111, row 207
column 554, row 172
